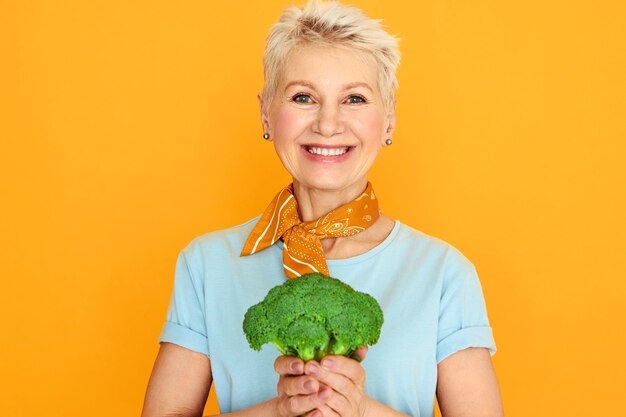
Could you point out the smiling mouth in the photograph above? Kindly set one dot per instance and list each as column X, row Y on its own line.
column 327, row 151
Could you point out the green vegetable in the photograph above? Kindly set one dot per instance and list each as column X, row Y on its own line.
column 314, row 316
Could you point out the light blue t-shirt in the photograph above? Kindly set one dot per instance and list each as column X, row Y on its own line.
column 430, row 294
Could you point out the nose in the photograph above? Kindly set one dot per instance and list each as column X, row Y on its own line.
column 329, row 120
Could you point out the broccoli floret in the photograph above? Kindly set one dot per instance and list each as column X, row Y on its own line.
column 314, row 316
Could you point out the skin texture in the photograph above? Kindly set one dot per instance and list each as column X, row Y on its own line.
column 181, row 379
column 467, row 385
column 337, row 381
column 326, row 111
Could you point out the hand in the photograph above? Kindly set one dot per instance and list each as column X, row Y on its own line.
column 343, row 379
column 298, row 393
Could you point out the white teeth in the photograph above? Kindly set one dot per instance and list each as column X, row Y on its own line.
column 327, row 151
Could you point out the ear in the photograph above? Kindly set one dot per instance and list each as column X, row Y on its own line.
column 391, row 116
column 264, row 118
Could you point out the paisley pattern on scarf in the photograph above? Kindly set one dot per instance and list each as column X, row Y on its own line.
column 302, row 248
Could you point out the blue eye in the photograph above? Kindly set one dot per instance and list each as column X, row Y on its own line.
column 295, row 98
column 305, row 99
column 362, row 100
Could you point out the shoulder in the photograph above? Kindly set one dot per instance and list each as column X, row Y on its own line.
column 223, row 242
column 431, row 246
column 459, row 277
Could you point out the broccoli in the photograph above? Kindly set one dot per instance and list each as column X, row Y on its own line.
column 314, row 316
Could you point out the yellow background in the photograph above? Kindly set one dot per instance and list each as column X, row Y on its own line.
column 130, row 127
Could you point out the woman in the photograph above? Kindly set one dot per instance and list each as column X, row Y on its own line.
column 329, row 109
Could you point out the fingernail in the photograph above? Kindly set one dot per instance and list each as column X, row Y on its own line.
column 328, row 363
column 309, row 385
column 314, row 369
column 323, row 394
column 296, row 367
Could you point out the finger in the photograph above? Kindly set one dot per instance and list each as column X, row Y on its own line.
column 352, row 403
column 360, row 353
column 300, row 404
column 337, row 404
column 297, row 385
column 288, row 365
column 347, row 367
column 327, row 411
column 336, row 378
column 314, row 413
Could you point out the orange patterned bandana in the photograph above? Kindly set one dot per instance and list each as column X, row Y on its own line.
column 302, row 249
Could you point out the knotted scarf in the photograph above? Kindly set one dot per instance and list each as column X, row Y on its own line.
column 302, row 246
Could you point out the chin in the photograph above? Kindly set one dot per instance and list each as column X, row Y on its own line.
column 327, row 183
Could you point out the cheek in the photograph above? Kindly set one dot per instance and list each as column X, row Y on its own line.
column 287, row 123
column 370, row 126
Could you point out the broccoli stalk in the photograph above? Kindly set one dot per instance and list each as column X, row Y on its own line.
column 314, row 316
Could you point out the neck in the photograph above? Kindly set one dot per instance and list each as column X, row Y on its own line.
column 314, row 203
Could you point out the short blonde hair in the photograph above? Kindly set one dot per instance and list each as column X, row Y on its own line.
column 330, row 24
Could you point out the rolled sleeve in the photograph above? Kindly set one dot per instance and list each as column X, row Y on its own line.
column 479, row 336
column 185, row 337
column 463, row 320
column 185, row 324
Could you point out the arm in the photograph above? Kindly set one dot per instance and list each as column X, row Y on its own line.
column 467, row 385
column 342, row 387
column 180, row 383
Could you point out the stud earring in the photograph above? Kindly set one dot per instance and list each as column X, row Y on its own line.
column 266, row 136
column 388, row 141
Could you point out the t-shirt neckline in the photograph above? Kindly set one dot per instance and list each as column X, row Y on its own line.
column 363, row 256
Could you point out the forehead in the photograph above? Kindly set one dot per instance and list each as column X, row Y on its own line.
column 329, row 66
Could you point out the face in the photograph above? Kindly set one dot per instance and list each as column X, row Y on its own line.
column 327, row 118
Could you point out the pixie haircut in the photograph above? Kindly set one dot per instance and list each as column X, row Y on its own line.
column 330, row 24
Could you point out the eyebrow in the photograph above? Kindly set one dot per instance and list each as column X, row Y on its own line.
column 311, row 86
